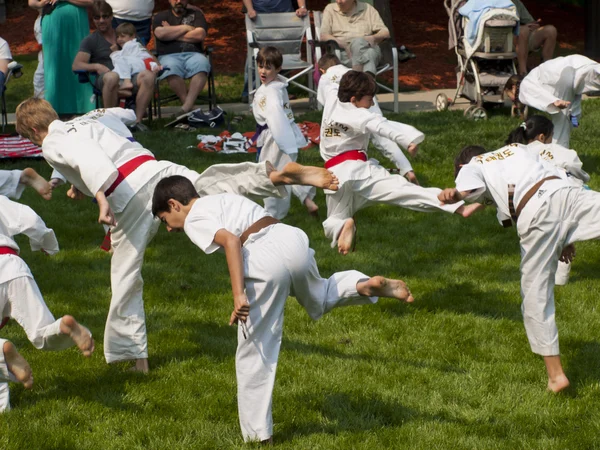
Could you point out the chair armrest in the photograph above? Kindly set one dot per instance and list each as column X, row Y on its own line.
column 15, row 68
column 83, row 75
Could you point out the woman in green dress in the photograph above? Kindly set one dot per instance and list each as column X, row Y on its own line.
column 62, row 31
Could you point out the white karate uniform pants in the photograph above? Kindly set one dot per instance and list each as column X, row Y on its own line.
column 38, row 76
column 278, row 262
column 569, row 215
column 125, row 332
column 379, row 187
column 25, row 304
column 279, row 207
column 9, row 183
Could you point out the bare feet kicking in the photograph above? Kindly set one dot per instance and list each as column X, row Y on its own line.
column 384, row 287
column 294, row 173
column 30, row 177
column 558, row 384
column 311, row 207
column 80, row 335
column 17, row 365
column 347, row 238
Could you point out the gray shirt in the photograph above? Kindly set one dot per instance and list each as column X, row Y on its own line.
column 98, row 48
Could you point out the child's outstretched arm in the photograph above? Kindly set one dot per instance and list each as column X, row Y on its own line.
column 235, row 263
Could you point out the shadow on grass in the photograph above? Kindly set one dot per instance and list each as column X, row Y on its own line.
column 582, row 363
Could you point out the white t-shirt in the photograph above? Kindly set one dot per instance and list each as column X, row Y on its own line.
column 212, row 213
column 132, row 9
column 4, row 50
column 493, row 172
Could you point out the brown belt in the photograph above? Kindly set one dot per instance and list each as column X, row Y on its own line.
column 527, row 197
column 257, row 226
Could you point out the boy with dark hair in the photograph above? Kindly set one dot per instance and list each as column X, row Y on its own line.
column 279, row 137
column 345, row 128
column 267, row 261
column 332, row 71
column 550, row 213
column 121, row 175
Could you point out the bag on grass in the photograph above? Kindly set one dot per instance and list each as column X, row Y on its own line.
column 212, row 118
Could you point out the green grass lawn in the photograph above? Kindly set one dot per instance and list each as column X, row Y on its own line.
column 452, row 370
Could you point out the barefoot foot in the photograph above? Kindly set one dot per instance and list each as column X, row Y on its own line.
column 294, row 173
column 80, row 335
column 141, row 365
column 311, row 207
column 385, row 287
column 346, row 239
column 558, row 384
column 17, row 365
column 127, row 85
column 33, row 179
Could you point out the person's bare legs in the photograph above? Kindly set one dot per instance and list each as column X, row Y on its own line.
column 523, row 49
column 385, row 287
column 80, row 335
column 110, row 90
column 311, row 206
column 294, row 173
column 197, row 83
column 31, row 178
column 177, row 85
column 545, row 37
column 17, row 365
column 145, row 82
column 126, row 85
column 347, row 237
column 557, row 380
column 141, row 365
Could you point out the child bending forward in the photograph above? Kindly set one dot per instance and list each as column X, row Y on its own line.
column 267, row 261
column 133, row 57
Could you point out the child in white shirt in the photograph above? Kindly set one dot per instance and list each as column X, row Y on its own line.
column 280, row 137
column 550, row 212
column 20, row 298
column 267, row 261
column 132, row 58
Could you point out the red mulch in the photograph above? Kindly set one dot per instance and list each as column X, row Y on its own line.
column 421, row 25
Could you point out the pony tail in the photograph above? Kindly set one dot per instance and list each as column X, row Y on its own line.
column 517, row 136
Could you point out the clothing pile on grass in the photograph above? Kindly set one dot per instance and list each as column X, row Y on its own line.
column 15, row 146
column 227, row 143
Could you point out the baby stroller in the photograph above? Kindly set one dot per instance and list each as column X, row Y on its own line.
column 485, row 54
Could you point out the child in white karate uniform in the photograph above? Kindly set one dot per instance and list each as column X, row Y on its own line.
column 556, row 87
column 537, row 133
column 132, row 58
column 550, row 213
column 121, row 175
column 13, row 183
column 332, row 71
column 280, row 137
column 345, row 128
column 20, row 298
column 267, row 261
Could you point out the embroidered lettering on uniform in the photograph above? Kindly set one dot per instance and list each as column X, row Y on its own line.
column 541, row 192
column 494, row 156
column 71, row 129
column 547, row 155
column 262, row 103
column 334, row 78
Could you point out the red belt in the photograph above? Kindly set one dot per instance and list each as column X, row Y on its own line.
column 8, row 251
column 147, row 62
column 126, row 169
column 350, row 155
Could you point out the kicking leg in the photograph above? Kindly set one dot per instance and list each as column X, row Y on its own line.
column 31, row 178
column 79, row 334
column 294, row 173
column 385, row 287
column 17, row 365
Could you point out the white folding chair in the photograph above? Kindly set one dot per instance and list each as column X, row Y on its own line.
column 286, row 32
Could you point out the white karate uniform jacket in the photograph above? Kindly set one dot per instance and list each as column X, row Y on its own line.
column 563, row 78
column 130, row 59
column 386, row 146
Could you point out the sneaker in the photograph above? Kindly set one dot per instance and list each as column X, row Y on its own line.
column 562, row 273
column 140, row 127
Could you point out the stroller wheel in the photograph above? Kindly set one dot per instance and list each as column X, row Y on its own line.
column 467, row 112
column 442, row 102
column 478, row 113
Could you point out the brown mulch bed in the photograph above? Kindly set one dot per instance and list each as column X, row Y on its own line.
column 421, row 25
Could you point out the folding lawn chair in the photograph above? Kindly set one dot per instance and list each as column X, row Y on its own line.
column 286, row 32
column 14, row 70
column 210, row 97
column 391, row 55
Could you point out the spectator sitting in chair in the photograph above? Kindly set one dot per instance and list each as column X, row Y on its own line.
column 180, row 33
column 533, row 37
column 5, row 59
column 94, row 56
column 358, row 29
